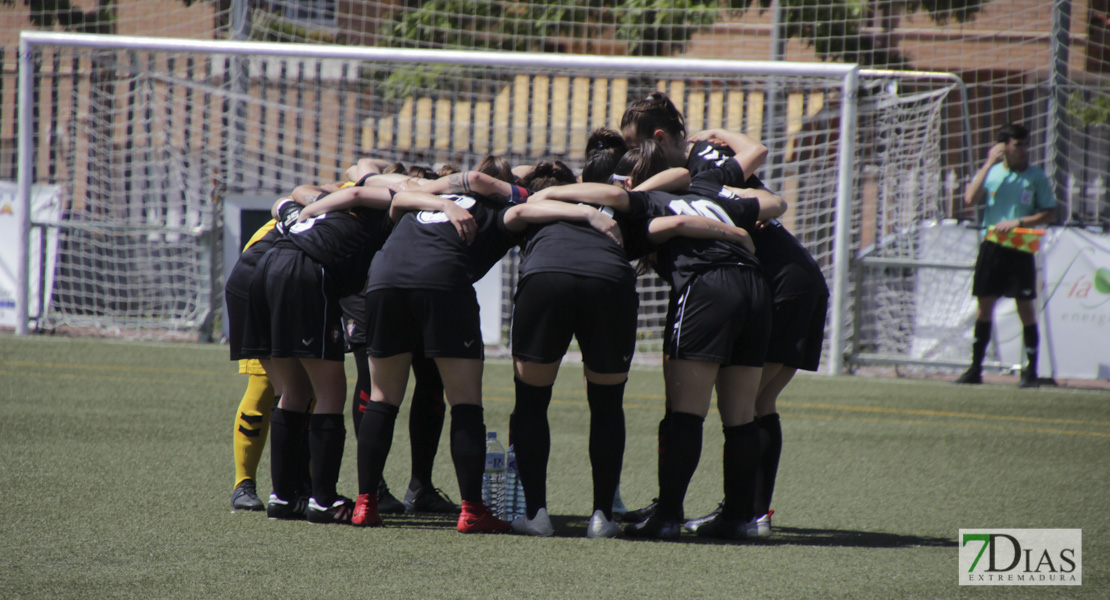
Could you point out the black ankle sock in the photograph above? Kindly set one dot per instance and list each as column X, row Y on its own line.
column 741, row 458
column 680, row 454
column 607, row 437
column 770, row 449
column 532, row 435
column 375, row 438
column 468, row 449
column 426, row 416
column 326, row 437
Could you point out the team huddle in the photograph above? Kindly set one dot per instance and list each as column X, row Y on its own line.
column 383, row 266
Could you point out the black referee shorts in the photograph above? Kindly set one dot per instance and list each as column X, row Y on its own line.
column 550, row 308
column 1002, row 271
column 722, row 316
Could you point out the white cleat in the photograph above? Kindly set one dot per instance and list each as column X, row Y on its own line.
column 600, row 527
column 539, row 526
column 762, row 526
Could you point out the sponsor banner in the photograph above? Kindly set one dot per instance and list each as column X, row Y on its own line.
column 1076, row 295
column 46, row 205
column 1021, row 557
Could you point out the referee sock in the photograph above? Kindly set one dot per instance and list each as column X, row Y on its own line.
column 375, row 438
column 1031, row 338
column 252, row 423
column 532, row 437
column 426, row 416
column 287, row 441
column 468, row 449
column 326, row 436
column 741, row 460
column 979, row 345
column 607, row 436
column 679, row 453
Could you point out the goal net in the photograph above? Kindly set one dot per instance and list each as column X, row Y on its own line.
column 148, row 137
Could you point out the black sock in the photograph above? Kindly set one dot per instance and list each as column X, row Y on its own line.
column 426, row 416
column 659, row 441
column 607, row 436
column 1031, row 338
column 979, row 345
column 375, row 438
column 741, row 459
column 770, row 448
column 468, row 449
column 679, row 453
column 532, row 435
column 326, row 437
column 288, row 430
column 361, row 394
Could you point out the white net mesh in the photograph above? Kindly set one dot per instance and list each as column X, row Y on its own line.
column 1040, row 63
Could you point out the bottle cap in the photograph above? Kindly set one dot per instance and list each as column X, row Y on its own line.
column 491, row 435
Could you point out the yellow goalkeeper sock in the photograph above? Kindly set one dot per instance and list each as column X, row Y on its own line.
column 252, row 421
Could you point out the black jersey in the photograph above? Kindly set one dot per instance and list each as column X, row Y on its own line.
column 343, row 242
column 425, row 250
column 579, row 249
column 681, row 258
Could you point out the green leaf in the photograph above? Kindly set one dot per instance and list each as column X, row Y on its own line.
column 1102, row 280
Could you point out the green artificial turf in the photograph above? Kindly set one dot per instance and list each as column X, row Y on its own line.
column 116, row 472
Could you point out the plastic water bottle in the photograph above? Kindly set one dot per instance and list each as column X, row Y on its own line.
column 515, row 505
column 493, row 479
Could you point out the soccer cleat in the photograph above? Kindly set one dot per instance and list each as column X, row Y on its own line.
column 423, row 500
column 339, row 511
column 763, row 525
column 971, row 376
column 600, row 527
column 388, row 504
column 476, row 518
column 289, row 510
column 693, row 524
column 245, row 497
column 366, row 512
column 641, row 515
column 729, row 529
column 1028, row 380
column 540, row 526
column 654, row 528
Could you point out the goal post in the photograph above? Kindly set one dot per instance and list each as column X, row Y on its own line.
column 526, row 106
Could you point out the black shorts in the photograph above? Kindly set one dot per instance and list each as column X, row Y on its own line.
column 722, row 316
column 294, row 309
column 549, row 308
column 354, row 319
column 237, row 299
column 1002, row 271
column 237, row 291
column 444, row 322
column 797, row 331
